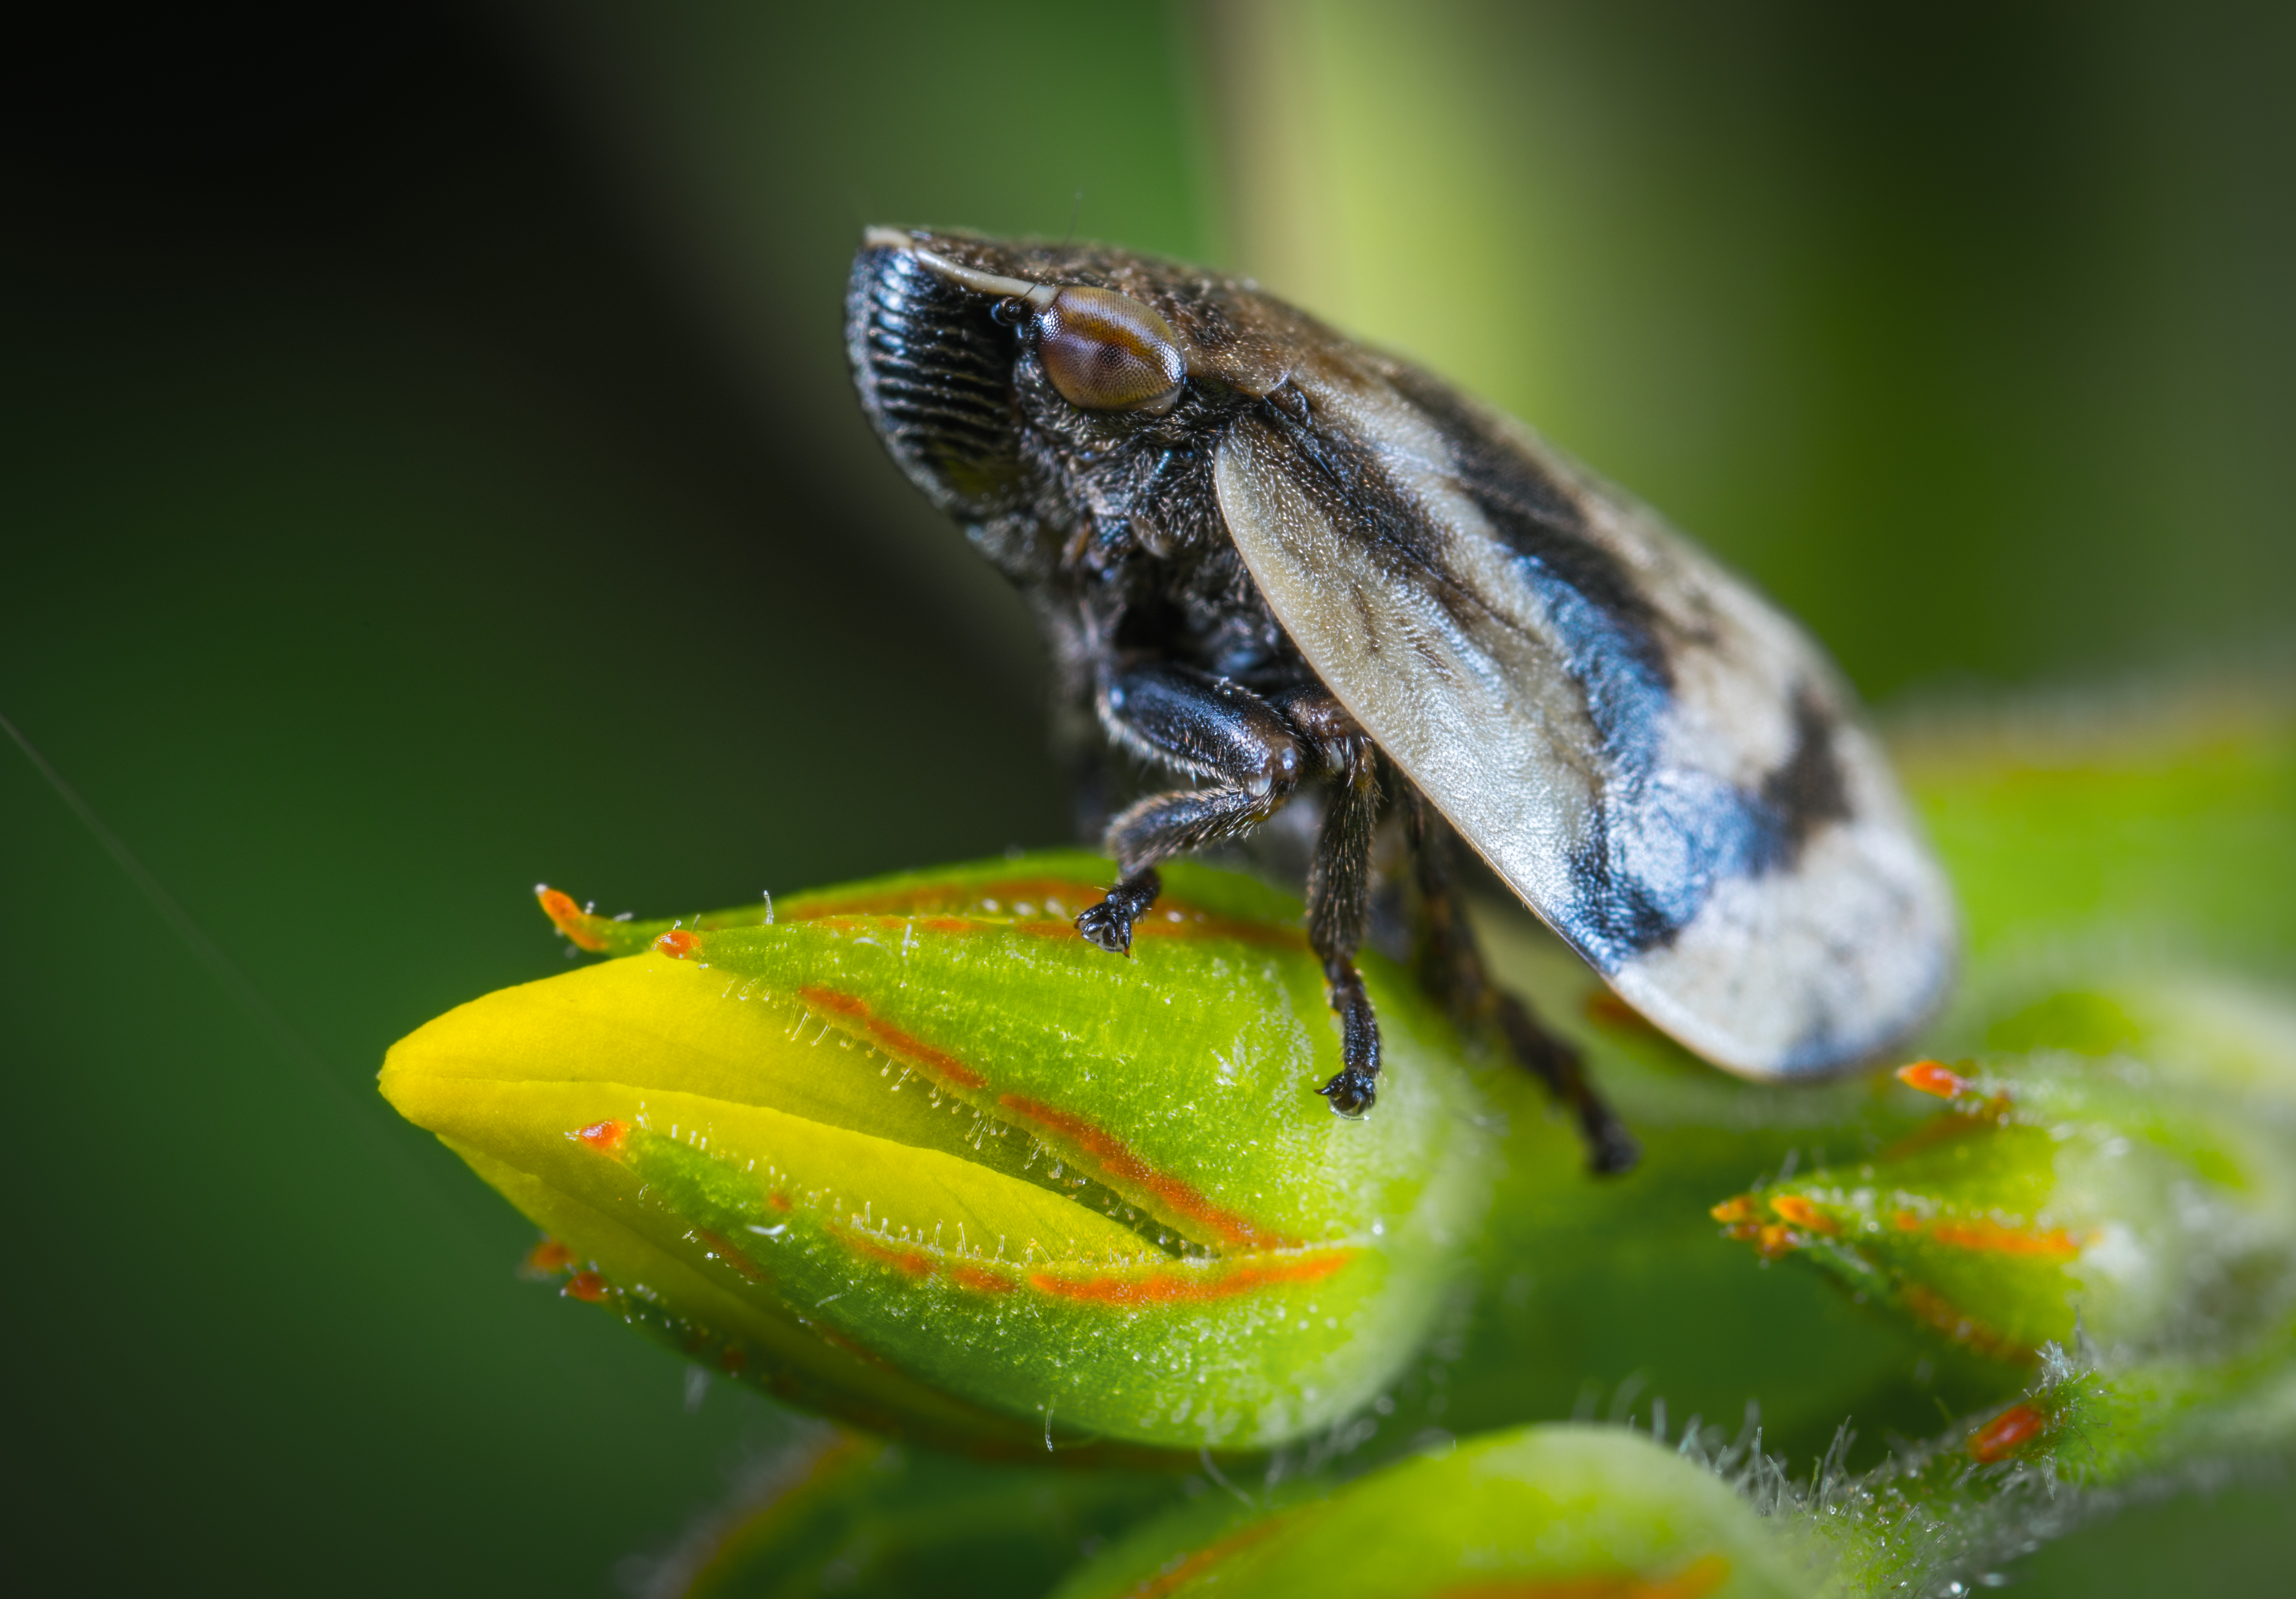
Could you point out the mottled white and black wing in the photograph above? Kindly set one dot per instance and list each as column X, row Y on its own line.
column 1663, row 766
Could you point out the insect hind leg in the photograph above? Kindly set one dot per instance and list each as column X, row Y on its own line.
column 1451, row 967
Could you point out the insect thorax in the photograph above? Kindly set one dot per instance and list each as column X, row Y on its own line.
column 1119, row 543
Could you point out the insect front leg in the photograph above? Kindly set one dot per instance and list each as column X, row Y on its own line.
column 1339, row 886
column 1203, row 724
column 1452, row 969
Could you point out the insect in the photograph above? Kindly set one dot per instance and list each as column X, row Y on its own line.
column 1267, row 556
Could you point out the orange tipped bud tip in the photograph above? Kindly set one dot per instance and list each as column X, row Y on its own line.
column 1732, row 1211
column 580, row 926
column 2006, row 1433
column 586, row 1286
column 548, row 1256
column 1933, row 1077
column 607, row 1138
column 677, row 944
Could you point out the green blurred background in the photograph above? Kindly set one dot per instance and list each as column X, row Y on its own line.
column 428, row 469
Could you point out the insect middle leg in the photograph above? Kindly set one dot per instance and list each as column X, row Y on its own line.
column 1256, row 751
column 1339, row 885
column 1451, row 967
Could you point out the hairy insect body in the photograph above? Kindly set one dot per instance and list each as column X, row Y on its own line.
column 1265, row 556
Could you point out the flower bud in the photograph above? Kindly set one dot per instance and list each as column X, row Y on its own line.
column 830, row 1511
column 2132, row 1174
column 1547, row 1510
column 916, row 1154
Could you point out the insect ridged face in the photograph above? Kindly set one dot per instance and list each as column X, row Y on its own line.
column 936, row 377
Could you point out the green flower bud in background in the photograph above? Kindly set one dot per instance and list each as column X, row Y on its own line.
column 1941, row 1517
column 1539, row 1512
column 1614, row 1298
column 915, row 1154
column 834, row 1513
column 2127, row 1176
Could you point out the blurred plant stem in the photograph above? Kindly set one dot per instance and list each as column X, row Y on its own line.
column 1830, row 289
column 1363, row 181
column 839, row 1513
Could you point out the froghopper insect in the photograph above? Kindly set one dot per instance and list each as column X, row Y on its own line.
column 1267, row 556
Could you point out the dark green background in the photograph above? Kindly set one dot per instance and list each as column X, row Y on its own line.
column 427, row 468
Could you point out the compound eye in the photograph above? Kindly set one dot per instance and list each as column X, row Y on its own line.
column 1106, row 351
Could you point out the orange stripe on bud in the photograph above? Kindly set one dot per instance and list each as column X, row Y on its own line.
column 586, row 1286
column 1801, row 1213
column 1010, row 903
column 857, row 1014
column 947, row 926
column 1179, row 921
column 980, row 1281
column 1992, row 1238
column 1195, row 1565
column 1171, row 1285
column 1008, row 893
column 728, row 1251
column 909, row 1263
column 1118, row 1161
column 1957, row 1325
column 919, row 1264
column 1181, row 1286
column 2006, row 1433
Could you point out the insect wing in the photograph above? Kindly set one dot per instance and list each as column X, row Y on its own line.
column 1664, row 769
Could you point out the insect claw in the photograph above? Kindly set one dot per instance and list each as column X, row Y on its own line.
column 1105, row 926
column 1108, row 925
column 1352, row 1095
column 1611, row 1151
